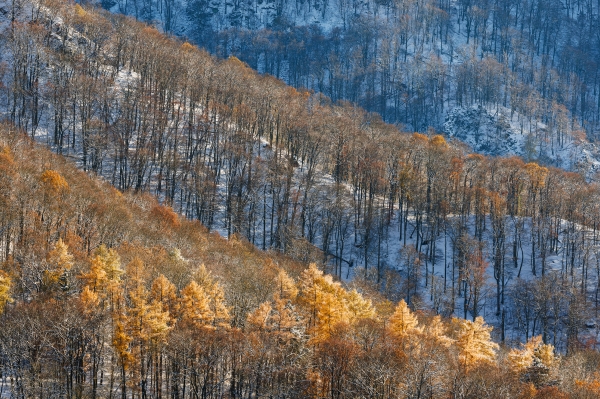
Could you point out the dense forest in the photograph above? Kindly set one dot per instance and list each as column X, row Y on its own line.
column 106, row 294
column 415, row 61
column 116, row 281
column 244, row 154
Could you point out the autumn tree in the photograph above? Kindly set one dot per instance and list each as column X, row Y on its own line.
column 535, row 362
column 322, row 300
column 60, row 262
column 473, row 342
column 5, row 286
column 403, row 323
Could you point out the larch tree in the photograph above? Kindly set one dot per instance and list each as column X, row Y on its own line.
column 5, row 286
column 403, row 323
column 60, row 262
column 164, row 293
column 104, row 276
column 359, row 308
column 285, row 287
column 203, row 302
column 60, row 256
column 195, row 307
column 436, row 331
column 216, row 297
column 474, row 342
column 535, row 362
column 121, row 342
column 260, row 317
column 520, row 359
column 280, row 315
column 147, row 324
column 322, row 300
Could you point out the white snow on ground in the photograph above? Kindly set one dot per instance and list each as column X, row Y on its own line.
column 492, row 130
column 498, row 131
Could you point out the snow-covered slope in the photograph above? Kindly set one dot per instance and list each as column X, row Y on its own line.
column 385, row 256
column 499, row 132
column 183, row 16
column 409, row 61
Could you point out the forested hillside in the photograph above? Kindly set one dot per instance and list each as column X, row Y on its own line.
column 176, row 146
column 106, row 295
column 532, row 65
column 244, row 154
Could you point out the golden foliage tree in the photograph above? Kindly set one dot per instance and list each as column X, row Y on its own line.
column 216, row 297
column 60, row 262
column 285, row 286
column 5, row 285
column 60, row 257
column 278, row 316
column 195, row 307
column 165, row 293
column 474, row 342
column 259, row 318
column 403, row 322
column 53, row 182
column 535, row 362
column 104, row 276
column 323, row 302
column 359, row 308
column 436, row 332
column 203, row 304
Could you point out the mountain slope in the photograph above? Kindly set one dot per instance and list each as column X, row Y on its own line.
column 415, row 62
column 144, row 317
column 413, row 215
